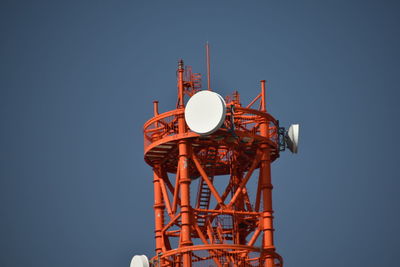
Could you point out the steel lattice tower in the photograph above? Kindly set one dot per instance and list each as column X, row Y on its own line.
column 219, row 228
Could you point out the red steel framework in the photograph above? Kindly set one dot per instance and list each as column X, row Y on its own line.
column 214, row 228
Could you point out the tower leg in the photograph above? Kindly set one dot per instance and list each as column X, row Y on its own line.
column 268, row 228
column 265, row 176
column 158, row 212
column 184, row 181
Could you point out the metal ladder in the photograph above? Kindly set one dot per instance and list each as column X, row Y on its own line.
column 204, row 192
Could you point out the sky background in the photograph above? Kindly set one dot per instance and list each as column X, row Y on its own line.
column 77, row 81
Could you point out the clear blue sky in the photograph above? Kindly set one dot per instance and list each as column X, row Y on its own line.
column 77, row 81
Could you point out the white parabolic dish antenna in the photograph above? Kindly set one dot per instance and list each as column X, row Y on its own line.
column 139, row 261
column 205, row 112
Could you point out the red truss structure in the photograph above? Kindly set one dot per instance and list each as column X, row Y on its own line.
column 218, row 228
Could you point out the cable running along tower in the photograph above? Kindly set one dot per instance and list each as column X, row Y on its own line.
column 212, row 140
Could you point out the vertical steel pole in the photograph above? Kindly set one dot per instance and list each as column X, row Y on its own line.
column 181, row 98
column 208, row 66
column 265, row 176
column 158, row 212
column 155, row 109
column 184, row 179
column 263, row 104
column 159, row 205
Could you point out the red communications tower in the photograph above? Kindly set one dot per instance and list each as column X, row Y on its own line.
column 195, row 223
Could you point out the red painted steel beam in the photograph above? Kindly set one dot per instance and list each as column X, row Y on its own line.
column 245, row 180
column 207, row 180
column 158, row 212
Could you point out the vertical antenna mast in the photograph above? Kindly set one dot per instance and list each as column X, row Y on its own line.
column 208, row 66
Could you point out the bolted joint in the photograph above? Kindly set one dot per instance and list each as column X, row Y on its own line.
column 185, row 181
column 158, row 233
column 186, row 243
column 267, row 224
column 267, row 186
column 159, row 206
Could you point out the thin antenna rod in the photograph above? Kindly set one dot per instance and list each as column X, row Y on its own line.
column 208, row 66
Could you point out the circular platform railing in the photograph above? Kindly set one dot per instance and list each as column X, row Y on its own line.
column 220, row 255
column 244, row 125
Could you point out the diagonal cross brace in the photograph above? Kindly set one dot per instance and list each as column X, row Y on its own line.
column 246, row 179
column 207, row 180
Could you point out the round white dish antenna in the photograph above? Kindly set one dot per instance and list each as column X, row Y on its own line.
column 140, row 261
column 292, row 138
column 205, row 112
